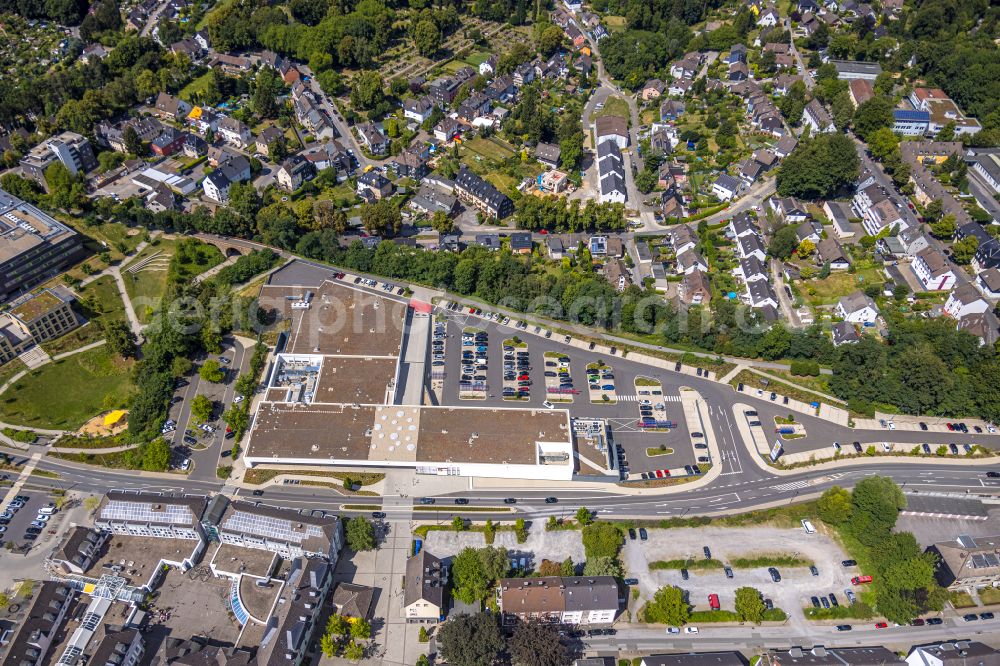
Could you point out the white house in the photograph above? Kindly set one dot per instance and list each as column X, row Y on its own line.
column 418, row 109
column 726, row 187
column 234, row 132
column 816, row 118
column 933, row 270
column 752, row 246
column 574, row 600
column 988, row 282
column 857, row 308
column 965, row 300
column 690, row 261
column 769, row 19
column 952, row 653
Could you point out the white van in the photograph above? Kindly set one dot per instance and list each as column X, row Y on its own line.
column 808, row 527
column 47, row 511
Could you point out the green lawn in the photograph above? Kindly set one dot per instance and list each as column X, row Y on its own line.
column 828, row 290
column 99, row 301
column 488, row 148
column 197, row 87
column 65, row 394
column 615, row 106
column 476, row 58
column 145, row 287
column 615, row 23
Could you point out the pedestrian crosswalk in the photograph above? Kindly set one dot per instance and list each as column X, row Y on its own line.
column 794, row 485
column 653, row 398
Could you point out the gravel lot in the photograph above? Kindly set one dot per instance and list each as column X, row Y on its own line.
column 791, row 594
column 556, row 546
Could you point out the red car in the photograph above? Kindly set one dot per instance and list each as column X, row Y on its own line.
column 658, row 473
column 713, row 602
column 951, row 426
column 881, row 625
column 861, row 580
column 666, row 473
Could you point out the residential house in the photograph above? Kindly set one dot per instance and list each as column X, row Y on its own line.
column 112, row 135
column 690, row 261
column 371, row 137
column 652, row 89
column 574, row 600
column 817, row 118
column 430, row 200
column 882, row 215
column 857, row 308
column 822, row 656
column 687, row 67
column 760, row 295
column 769, row 18
column 194, row 146
column 829, row 251
column 28, row 643
column 789, row 209
column 810, row 230
column 839, row 213
column 750, row 269
column 987, row 166
column 230, row 64
column 267, row 136
column 488, row 67
column 353, row 601
column 77, row 550
column 168, row 142
column 891, row 247
column 953, row 653
column 93, row 52
column 751, row 245
column 447, row 130
column 170, row 107
column 234, row 132
column 694, row 288
column 672, row 109
column 201, row 120
column 294, row 171
column 443, row 90
column 424, row 589
column 737, row 53
column 933, row 270
column 967, row 563
column 555, row 247
column 612, row 128
column 742, row 225
column 726, row 187
column 681, row 238
column 409, row 164
column 161, row 198
column 611, row 173
column 988, row 282
column 749, row 170
column 965, row 300
column 373, row 186
column 553, row 181
column 983, row 326
column 913, row 240
column 679, row 87
column 844, row 333
column 689, row 659
column 489, row 241
column 216, row 185
column 617, row 274
column 331, row 155
column 472, row 189
column 418, row 109
column 784, row 82
column 520, row 242
column 785, row 145
column 524, row 74
column 547, row 154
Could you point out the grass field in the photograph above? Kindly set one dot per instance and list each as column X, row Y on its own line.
column 145, row 287
column 99, row 302
column 196, row 88
column 615, row 106
column 488, row 148
column 615, row 23
column 476, row 58
column 86, row 384
column 828, row 290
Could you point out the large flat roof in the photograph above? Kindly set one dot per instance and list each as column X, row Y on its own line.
column 496, row 436
column 359, row 380
column 339, row 321
column 310, row 431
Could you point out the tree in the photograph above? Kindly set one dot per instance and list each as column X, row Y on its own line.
column 646, row 181
column 426, row 38
column 360, row 534
column 583, row 516
column 963, row 250
column 361, row 628
column 156, row 456
column 422, row 659
column 471, row 640
column 805, row 249
column 835, row 506
column 784, row 242
column 567, row 568
column 749, row 605
column 876, row 502
column 934, row 210
column 872, row 115
column 133, row 144
column 328, row 645
column 536, row 644
column 277, row 150
column 337, row 625
column 819, row 167
column 238, row 420
column 354, row 651
column 945, row 227
column 458, row 523
column 882, row 143
column 603, row 566
column 550, row 40
column 601, row 540
column 667, row 607
column 469, row 578
column 267, row 85
column 120, row 338
column 381, row 218
column 211, row 371
column 441, row 223
column 423, row 636
column 201, row 408
column 368, row 91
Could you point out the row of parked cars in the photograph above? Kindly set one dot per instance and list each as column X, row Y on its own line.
column 36, row 526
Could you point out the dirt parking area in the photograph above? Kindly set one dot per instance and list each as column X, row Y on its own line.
column 540, row 545
column 791, row 594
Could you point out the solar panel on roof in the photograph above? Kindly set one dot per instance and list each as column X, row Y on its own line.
column 978, row 561
column 173, row 514
column 991, row 560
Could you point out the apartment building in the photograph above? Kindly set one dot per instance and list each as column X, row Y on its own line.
column 71, row 149
column 578, row 600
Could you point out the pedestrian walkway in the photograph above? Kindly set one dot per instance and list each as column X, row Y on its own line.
column 34, row 357
column 26, row 471
column 660, row 398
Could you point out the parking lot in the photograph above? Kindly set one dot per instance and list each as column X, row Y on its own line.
column 22, row 523
column 574, row 374
column 794, row 592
